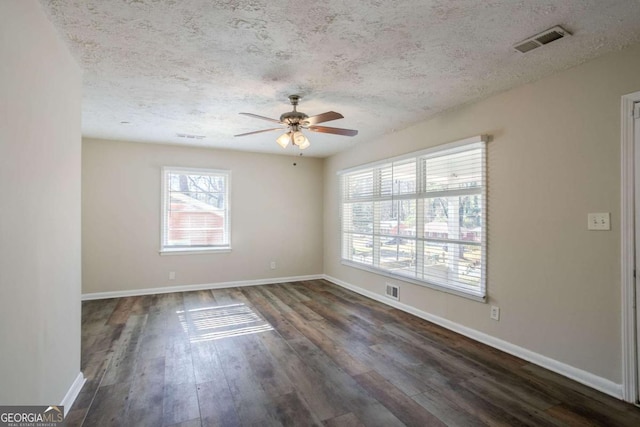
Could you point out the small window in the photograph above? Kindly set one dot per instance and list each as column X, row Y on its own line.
column 420, row 217
column 195, row 210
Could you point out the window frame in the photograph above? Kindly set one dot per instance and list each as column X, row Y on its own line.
column 419, row 195
column 164, row 210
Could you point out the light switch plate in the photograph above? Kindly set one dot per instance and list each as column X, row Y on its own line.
column 599, row 221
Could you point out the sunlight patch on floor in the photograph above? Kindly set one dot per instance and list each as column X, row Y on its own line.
column 213, row 323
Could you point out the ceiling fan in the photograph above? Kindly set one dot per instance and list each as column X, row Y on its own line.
column 296, row 121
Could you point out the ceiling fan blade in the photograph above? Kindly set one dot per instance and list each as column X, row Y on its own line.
column 321, row 118
column 336, row 131
column 259, row 131
column 261, row 117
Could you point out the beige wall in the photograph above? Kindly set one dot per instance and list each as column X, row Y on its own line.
column 276, row 215
column 40, row 97
column 554, row 157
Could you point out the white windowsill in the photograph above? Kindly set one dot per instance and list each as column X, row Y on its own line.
column 194, row 251
column 471, row 296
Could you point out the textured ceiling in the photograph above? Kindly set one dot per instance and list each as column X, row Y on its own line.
column 169, row 67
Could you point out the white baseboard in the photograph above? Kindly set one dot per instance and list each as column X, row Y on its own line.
column 72, row 393
column 594, row 381
column 201, row 287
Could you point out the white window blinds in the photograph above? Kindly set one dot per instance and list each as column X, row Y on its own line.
column 420, row 217
column 195, row 210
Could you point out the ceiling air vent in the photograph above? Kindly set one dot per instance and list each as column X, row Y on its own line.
column 545, row 37
column 189, row 136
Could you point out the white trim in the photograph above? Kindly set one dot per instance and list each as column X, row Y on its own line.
column 200, row 287
column 204, row 171
column 191, row 251
column 627, row 262
column 602, row 384
column 72, row 393
column 464, row 143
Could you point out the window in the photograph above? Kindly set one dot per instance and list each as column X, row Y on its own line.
column 195, row 210
column 420, row 217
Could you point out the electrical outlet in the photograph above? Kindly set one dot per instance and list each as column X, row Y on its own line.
column 273, row 265
column 495, row 312
column 172, row 275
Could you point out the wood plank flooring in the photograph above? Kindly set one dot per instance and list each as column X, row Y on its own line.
column 308, row 354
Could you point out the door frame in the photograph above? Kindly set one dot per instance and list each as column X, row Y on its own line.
column 630, row 384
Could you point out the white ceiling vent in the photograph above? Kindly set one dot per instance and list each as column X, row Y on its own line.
column 189, row 136
column 545, row 37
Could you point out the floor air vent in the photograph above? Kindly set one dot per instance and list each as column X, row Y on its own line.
column 393, row 291
column 545, row 37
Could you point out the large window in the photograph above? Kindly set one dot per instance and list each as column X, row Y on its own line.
column 420, row 217
column 195, row 210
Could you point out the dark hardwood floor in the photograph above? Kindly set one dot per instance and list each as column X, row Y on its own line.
column 308, row 353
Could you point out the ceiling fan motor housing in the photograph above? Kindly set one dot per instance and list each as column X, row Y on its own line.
column 293, row 117
column 296, row 121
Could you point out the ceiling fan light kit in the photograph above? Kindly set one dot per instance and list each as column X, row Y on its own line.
column 283, row 140
column 300, row 140
column 296, row 120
